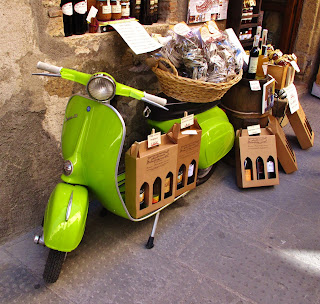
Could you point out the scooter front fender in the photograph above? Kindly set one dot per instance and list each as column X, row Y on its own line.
column 65, row 217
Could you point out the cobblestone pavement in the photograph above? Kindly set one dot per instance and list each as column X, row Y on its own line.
column 219, row 244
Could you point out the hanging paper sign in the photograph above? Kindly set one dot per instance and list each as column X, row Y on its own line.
column 92, row 13
column 292, row 97
column 255, row 85
column 187, row 121
column 154, row 139
column 295, row 66
column 254, row 130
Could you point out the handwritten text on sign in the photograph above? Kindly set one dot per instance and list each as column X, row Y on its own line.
column 154, row 139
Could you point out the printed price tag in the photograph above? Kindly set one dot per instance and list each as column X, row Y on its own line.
column 189, row 132
column 293, row 99
column 295, row 66
column 187, row 121
column 255, row 85
column 154, row 139
column 254, row 130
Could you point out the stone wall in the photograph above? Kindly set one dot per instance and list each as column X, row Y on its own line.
column 307, row 45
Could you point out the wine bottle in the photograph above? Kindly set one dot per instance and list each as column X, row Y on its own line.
column 191, row 172
column 262, row 63
column 248, row 169
column 260, row 168
column 180, row 179
column 143, row 196
column 264, row 37
column 79, row 17
column 271, row 167
column 67, row 10
column 145, row 12
column 168, row 185
column 156, row 196
column 156, row 11
column 253, row 61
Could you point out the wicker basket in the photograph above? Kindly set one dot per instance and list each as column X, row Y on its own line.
column 190, row 90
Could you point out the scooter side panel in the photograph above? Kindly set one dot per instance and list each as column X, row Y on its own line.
column 93, row 139
column 62, row 232
column 217, row 135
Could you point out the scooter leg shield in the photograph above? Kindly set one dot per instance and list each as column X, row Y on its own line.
column 65, row 217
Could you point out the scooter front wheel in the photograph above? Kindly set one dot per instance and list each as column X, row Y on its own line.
column 53, row 265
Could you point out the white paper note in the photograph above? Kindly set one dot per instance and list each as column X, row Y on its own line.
column 137, row 38
column 255, row 85
column 254, row 130
column 293, row 99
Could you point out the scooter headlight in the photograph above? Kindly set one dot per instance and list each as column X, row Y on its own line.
column 67, row 167
column 101, row 87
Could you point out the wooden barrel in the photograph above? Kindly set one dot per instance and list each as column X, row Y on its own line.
column 244, row 106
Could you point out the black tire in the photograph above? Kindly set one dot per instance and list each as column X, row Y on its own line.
column 205, row 174
column 53, row 265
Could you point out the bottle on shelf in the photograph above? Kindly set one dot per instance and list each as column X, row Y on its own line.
column 180, row 178
column 115, row 9
column 156, row 11
column 143, row 197
column 67, row 11
column 168, row 185
column 260, row 168
column 271, row 167
column 253, row 60
column 248, row 169
column 145, row 12
column 264, row 37
column 191, row 172
column 259, row 30
column 262, row 67
column 104, row 10
column 80, row 25
column 91, row 3
column 156, row 195
column 135, row 7
column 125, row 9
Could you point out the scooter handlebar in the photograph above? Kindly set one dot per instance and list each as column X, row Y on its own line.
column 48, row 67
column 156, row 99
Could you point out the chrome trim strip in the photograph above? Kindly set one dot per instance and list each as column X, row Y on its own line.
column 69, row 207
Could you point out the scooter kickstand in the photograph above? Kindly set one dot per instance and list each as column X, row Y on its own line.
column 150, row 244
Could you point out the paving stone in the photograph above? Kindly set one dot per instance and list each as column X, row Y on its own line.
column 258, row 273
column 19, row 285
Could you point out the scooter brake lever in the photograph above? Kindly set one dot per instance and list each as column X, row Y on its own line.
column 154, row 103
column 46, row 74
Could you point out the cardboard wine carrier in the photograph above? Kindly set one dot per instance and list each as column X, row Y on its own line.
column 145, row 165
column 286, row 155
column 252, row 147
column 301, row 128
column 188, row 154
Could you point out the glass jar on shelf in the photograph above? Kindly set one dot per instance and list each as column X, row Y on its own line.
column 115, row 10
column 104, row 10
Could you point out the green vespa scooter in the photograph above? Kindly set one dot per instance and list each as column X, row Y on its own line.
column 92, row 140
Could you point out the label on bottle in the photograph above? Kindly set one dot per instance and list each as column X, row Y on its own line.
column 190, row 170
column 167, row 185
column 155, row 198
column 180, row 176
column 247, row 175
column 265, row 68
column 106, row 9
column 270, row 166
column 67, row 9
column 141, row 196
column 253, row 65
column 81, row 7
column 125, row 10
column 116, row 9
column 138, row 2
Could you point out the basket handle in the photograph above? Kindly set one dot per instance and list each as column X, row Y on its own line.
column 163, row 67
